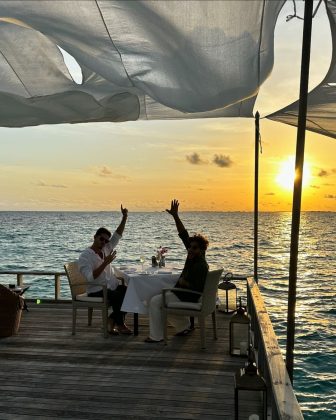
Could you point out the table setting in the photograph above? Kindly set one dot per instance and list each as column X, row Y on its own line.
column 143, row 283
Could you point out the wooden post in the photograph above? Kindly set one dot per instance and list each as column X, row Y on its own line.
column 256, row 193
column 57, row 286
column 19, row 280
column 297, row 193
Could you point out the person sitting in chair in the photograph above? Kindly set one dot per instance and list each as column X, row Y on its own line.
column 192, row 277
column 95, row 265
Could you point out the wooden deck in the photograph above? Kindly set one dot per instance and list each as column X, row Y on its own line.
column 45, row 372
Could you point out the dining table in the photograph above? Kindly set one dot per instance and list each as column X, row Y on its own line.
column 142, row 284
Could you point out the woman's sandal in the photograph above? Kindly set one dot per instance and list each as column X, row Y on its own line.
column 150, row 340
column 183, row 333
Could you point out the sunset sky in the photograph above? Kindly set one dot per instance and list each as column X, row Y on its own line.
column 207, row 164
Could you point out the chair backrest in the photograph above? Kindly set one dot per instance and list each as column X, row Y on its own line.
column 8, row 297
column 76, row 280
column 210, row 291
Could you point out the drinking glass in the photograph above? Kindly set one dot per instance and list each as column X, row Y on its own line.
column 142, row 260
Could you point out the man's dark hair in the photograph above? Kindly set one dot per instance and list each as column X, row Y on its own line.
column 201, row 240
column 103, row 231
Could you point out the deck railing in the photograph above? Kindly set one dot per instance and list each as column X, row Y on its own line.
column 282, row 400
column 20, row 276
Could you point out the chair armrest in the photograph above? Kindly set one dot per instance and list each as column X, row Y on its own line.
column 177, row 289
column 104, row 287
column 87, row 284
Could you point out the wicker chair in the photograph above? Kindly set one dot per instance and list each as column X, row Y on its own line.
column 80, row 299
column 201, row 309
column 11, row 305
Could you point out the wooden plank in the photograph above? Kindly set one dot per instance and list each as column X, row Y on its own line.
column 285, row 399
column 45, row 372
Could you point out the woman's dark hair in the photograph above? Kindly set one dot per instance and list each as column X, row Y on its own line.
column 103, row 231
column 201, row 240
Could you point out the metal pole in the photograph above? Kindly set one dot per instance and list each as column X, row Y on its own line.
column 299, row 160
column 256, row 193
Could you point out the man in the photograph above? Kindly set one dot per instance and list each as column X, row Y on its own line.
column 192, row 278
column 95, row 265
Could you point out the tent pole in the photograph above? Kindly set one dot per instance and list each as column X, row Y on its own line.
column 297, row 192
column 256, row 194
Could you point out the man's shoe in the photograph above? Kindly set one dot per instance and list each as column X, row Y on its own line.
column 122, row 329
column 113, row 331
column 183, row 333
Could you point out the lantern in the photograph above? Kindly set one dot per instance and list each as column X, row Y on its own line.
column 227, row 294
column 239, row 332
column 250, row 394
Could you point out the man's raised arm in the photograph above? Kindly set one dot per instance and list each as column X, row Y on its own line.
column 121, row 227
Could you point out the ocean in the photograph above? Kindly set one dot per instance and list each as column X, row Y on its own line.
column 46, row 240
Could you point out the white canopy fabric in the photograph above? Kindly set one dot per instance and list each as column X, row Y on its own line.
column 321, row 107
column 139, row 59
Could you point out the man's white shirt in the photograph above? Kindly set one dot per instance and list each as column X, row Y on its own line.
column 88, row 261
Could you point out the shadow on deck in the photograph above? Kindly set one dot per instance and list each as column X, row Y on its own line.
column 45, row 372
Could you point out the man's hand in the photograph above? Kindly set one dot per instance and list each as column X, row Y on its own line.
column 123, row 211
column 121, row 227
column 110, row 257
column 107, row 260
column 173, row 208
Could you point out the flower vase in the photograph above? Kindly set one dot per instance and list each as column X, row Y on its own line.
column 162, row 262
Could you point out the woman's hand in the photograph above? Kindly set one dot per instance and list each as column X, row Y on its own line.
column 173, row 208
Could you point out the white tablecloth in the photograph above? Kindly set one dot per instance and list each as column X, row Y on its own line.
column 142, row 287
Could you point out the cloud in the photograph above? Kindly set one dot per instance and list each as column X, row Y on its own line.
column 107, row 172
column 323, row 172
column 222, row 161
column 332, row 196
column 195, row 159
column 44, row 184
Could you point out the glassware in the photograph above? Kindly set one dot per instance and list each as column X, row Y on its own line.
column 142, row 260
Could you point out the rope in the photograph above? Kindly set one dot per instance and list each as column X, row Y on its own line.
column 295, row 15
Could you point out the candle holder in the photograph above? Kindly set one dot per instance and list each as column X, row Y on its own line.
column 239, row 332
column 228, row 298
column 250, row 386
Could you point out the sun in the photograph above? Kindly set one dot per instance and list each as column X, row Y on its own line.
column 286, row 175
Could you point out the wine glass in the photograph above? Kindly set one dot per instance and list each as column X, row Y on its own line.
column 142, row 260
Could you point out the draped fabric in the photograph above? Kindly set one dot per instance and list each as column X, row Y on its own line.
column 139, row 59
column 321, row 107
